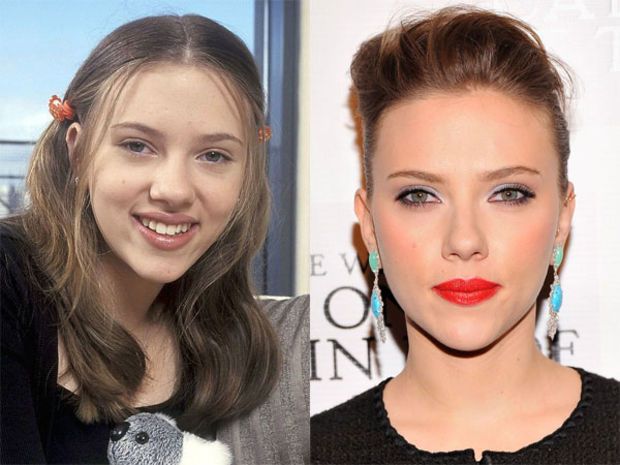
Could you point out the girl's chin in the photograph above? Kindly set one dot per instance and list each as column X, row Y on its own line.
column 161, row 277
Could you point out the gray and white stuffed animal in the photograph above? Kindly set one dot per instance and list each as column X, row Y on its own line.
column 155, row 439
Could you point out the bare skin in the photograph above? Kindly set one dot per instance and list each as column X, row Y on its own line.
column 173, row 153
column 466, row 185
column 501, row 400
column 136, row 298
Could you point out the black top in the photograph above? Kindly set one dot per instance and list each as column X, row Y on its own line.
column 38, row 421
column 359, row 432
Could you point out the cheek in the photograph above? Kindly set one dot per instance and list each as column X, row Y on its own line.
column 405, row 237
column 220, row 197
column 526, row 248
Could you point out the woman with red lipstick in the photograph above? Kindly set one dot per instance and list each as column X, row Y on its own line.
column 466, row 207
column 126, row 282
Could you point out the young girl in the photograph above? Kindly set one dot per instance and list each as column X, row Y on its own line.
column 125, row 283
column 466, row 205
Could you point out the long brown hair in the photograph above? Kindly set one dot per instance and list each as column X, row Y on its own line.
column 229, row 353
column 453, row 50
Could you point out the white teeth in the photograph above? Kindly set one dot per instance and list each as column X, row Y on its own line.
column 166, row 229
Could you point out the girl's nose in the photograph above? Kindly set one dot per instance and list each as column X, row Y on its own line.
column 172, row 184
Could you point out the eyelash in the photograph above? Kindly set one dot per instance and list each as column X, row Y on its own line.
column 127, row 146
column 223, row 158
column 526, row 195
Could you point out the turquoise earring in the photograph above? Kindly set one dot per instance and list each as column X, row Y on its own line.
column 555, row 297
column 376, row 302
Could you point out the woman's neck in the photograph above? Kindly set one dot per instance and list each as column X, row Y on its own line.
column 466, row 384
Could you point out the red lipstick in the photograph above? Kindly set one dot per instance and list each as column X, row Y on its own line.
column 466, row 291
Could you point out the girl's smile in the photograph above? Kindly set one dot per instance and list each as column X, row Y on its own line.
column 166, row 177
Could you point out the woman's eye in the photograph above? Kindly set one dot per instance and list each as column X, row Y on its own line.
column 512, row 195
column 213, row 156
column 136, row 147
column 417, row 198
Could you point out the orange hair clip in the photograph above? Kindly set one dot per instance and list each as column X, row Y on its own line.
column 60, row 110
column 264, row 134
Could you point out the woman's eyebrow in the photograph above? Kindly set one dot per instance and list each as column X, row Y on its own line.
column 486, row 176
column 423, row 175
column 508, row 171
column 204, row 138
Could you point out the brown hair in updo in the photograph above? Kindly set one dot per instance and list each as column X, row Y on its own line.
column 453, row 50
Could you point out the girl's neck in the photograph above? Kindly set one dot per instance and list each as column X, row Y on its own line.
column 132, row 297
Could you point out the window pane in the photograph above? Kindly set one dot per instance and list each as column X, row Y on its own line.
column 42, row 44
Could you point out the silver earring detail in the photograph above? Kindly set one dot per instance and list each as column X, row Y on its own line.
column 555, row 296
column 76, row 180
column 376, row 302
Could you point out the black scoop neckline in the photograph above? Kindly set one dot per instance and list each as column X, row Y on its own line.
column 573, row 419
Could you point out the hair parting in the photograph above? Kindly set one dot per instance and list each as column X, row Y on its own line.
column 229, row 352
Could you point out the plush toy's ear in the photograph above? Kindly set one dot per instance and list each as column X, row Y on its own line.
column 198, row 451
column 167, row 418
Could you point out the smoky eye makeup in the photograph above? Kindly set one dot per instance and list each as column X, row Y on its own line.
column 417, row 196
column 512, row 194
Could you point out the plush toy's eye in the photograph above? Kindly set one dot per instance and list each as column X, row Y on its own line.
column 142, row 437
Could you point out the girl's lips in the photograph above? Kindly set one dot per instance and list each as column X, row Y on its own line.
column 163, row 241
column 467, row 292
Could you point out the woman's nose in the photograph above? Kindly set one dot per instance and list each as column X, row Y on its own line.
column 465, row 238
column 172, row 184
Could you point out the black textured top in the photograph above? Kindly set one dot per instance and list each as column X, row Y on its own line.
column 359, row 432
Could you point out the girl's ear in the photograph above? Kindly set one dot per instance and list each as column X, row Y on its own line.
column 73, row 135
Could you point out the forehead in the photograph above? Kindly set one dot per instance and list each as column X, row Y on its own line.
column 477, row 130
column 179, row 97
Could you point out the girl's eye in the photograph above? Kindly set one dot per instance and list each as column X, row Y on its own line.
column 136, row 147
column 417, row 198
column 213, row 156
column 512, row 195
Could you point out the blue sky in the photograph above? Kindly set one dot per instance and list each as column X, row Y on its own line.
column 43, row 42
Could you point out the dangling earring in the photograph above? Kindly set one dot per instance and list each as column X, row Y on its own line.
column 376, row 302
column 555, row 297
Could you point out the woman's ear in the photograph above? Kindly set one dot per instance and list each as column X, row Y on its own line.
column 566, row 215
column 362, row 211
column 71, row 138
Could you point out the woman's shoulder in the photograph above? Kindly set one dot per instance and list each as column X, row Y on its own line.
column 355, row 416
column 600, row 401
column 593, row 427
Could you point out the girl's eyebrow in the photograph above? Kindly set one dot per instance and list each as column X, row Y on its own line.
column 205, row 138
column 485, row 176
